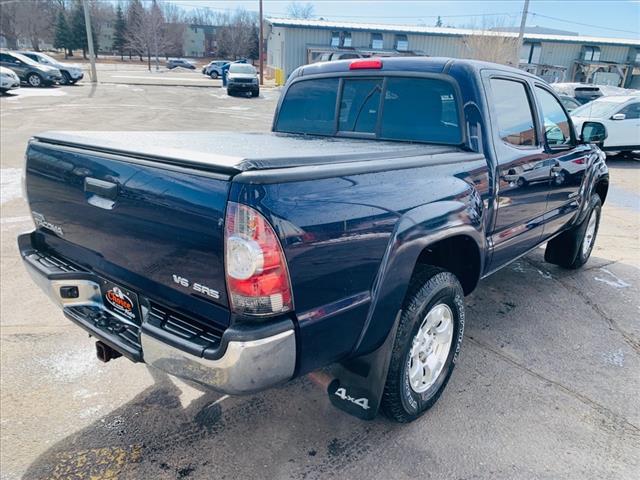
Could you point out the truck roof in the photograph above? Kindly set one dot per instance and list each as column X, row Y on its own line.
column 406, row 64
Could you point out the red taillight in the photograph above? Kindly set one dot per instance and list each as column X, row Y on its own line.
column 579, row 161
column 375, row 63
column 256, row 269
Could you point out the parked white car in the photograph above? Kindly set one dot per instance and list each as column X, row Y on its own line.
column 621, row 117
column 8, row 80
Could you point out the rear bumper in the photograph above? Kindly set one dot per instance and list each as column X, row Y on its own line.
column 244, row 360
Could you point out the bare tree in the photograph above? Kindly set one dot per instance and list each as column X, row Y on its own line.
column 235, row 34
column 299, row 10
column 28, row 20
column 490, row 45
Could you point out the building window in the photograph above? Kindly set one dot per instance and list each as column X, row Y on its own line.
column 376, row 41
column 346, row 39
column 591, row 54
column 530, row 53
column 335, row 39
column 637, row 59
column 402, row 44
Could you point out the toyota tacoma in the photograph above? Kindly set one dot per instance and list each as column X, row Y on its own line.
column 345, row 238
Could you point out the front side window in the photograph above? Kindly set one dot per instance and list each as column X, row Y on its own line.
column 557, row 130
column 513, row 112
column 631, row 112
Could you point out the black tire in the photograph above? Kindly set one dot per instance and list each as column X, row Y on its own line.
column 66, row 79
column 34, row 80
column 255, row 93
column 562, row 178
column 213, row 74
column 568, row 249
column 521, row 182
column 430, row 286
column 230, row 92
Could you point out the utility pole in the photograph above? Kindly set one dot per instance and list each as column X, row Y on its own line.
column 523, row 23
column 92, row 55
column 260, row 48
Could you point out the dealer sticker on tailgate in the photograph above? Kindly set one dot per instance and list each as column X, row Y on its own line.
column 120, row 301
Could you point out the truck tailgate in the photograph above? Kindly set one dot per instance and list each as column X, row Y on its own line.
column 151, row 227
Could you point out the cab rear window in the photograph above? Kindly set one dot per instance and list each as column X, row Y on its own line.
column 389, row 108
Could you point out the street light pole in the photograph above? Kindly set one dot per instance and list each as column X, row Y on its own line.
column 260, row 48
column 523, row 23
column 92, row 55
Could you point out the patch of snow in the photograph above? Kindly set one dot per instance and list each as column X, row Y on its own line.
column 69, row 366
column 614, row 358
column 10, row 184
column 35, row 92
column 614, row 281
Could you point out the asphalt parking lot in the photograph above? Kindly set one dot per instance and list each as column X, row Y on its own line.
column 547, row 387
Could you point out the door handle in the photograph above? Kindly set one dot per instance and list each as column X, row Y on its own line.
column 102, row 188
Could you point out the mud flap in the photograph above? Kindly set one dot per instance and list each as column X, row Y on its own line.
column 359, row 382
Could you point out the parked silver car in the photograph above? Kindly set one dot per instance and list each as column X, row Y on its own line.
column 214, row 68
column 70, row 73
column 32, row 73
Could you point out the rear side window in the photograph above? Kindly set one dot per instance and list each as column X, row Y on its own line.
column 420, row 109
column 513, row 112
column 392, row 108
column 310, row 107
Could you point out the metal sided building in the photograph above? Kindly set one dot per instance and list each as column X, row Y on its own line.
column 557, row 58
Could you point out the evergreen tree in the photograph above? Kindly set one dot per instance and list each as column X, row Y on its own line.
column 120, row 32
column 254, row 42
column 62, row 37
column 79, row 31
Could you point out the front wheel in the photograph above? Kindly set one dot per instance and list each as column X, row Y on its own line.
column 66, row 79
column 573, row 248
column 426, row 346
column 213, row 74
column 34, row 80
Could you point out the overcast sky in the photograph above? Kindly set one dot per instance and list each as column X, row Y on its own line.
column 610, row 18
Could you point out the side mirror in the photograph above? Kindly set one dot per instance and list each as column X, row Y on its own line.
column 619, row 116
column 593, row 132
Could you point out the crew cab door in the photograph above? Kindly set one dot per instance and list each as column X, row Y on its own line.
column 567, row 161
column 521, row 171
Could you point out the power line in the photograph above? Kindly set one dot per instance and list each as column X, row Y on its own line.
column 582, row 24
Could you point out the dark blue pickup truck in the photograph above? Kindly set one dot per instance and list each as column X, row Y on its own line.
column 347, row 237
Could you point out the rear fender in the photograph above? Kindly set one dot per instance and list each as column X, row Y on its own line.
column 415, row 230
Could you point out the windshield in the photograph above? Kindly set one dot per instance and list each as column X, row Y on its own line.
column 393, row 108
column 47, row 59
column 241, row 68
column 596, row 109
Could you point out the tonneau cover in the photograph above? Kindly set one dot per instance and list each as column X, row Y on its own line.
column 231, row 152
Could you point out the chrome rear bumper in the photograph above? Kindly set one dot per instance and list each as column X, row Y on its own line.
column 245, row 360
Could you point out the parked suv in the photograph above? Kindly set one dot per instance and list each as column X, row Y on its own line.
column 180, row 62
column 70, row 73
column 214, row 68
column 30, row 72
column 243, row 77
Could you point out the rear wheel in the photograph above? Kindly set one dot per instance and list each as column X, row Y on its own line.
column 426, row 346
column 34, row 80
column 573, row 248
